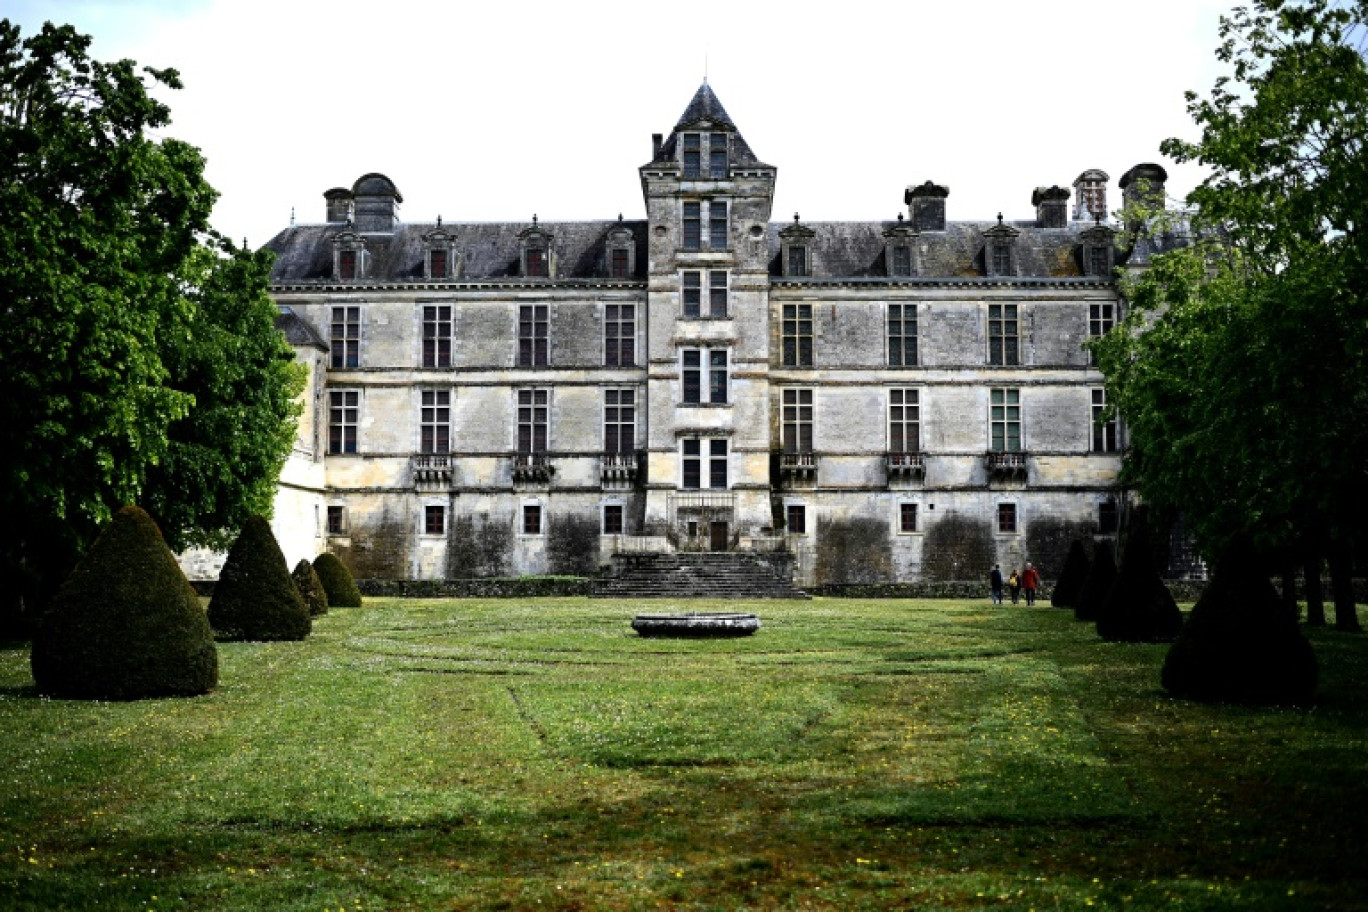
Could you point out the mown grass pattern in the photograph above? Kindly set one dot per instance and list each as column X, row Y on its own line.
column 525, row 754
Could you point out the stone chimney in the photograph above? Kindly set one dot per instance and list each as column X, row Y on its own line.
column 1090, row 196
column 1052, row 206
column 926, row 206
column 339, row 201
column 377, row 204
column 1144, row 185
column 657, row 143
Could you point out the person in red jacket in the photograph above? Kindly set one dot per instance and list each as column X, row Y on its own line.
column 1030, row 581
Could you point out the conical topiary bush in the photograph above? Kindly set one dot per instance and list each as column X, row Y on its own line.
column 337, row 581
column 1240, row 643
column 1101, row 575
column 1138, row 607
column 310, row 588
column 126, row 624
column 255, row 597
column 1070, row 583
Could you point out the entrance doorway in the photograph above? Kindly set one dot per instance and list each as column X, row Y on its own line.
column 718, row 539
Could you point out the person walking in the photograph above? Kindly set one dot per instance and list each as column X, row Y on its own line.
column 995, row 584
column 1014, row 585
column 1030, row 581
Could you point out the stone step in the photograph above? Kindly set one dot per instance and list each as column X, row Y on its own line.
column 698, row 575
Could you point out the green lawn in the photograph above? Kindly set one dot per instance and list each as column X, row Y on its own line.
column 538, row 754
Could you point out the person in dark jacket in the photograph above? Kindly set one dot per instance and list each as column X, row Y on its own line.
column 995, row 584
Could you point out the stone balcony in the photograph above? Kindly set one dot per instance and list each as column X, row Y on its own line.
column 1005, row 465
column 532, row 469
column 905, row 466
column 431, row 471
column 798, row 470
column 619, row 470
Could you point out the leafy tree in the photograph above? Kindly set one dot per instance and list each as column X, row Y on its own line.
column 126, row 624
column 337, row 581
column 115, row 309
column 310, row 588
column 1138, row 606
column 1240, row 367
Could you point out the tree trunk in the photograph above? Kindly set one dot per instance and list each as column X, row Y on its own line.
column 1315, row 598
column 1289, row 588
column 1342, row 585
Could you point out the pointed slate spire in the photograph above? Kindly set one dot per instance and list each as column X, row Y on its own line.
column 704, row 106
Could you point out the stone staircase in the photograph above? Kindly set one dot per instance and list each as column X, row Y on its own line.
column 713, row 574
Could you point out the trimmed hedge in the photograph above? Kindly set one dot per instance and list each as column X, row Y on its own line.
column 1138, row 607
column 1240, row 643
column 256, row 598
column 337, row 581
column 126, row 624
column 310, row 588
column 1069, row 586
column 1101, row 575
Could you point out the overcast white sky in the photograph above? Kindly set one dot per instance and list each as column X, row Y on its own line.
column 495, row 111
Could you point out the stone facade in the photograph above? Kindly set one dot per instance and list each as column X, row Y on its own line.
column 506, row 399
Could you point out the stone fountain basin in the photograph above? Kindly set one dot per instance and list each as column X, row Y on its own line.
column 701, row 624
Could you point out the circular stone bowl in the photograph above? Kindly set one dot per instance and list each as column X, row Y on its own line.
column 695, row 625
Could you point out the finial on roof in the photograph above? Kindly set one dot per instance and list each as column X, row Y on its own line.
column 999, row 218
column 349, row 223
column 795, row 218
column 619, row 216
column 292, row 216
column 900, row 216
column 534, row 218
column 439, row 220
column 244, row 242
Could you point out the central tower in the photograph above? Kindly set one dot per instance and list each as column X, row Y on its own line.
column 708, row 204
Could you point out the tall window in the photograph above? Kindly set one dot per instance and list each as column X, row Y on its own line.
column 717, row 156
column 619, row 335
column 695, row 364
column 693, row 226
column 1103, row 428
column 346, row 337
column 902, row 261
column 797, row 261
column 337, row 520
column 1106, row 517
column 435, row 422
column 902, row 335
column 1006, row 518
column 797, row 420
column 434, row 519
column 904, row 421
column 692, row 282
column 1005, row 421
column 618, row 264
column 437, row 264
column 907, row 517
column 437, row 335
column 532, row 335
column 619, row 420
column 343, row 408
column 1101, row 319
column 346, row 264
column 704, row 460
column 536, row 263
column 533, row 419
column 717, row 225
column 797, row 335
column 1003, row 334
column 1001, row 259
column 693, row 155
column 795, row 518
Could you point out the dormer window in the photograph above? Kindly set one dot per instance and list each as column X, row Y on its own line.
column 704, row 155
column 795, row 249
column 349, row 256
column 1095, row 250
column 999, row 249
column 899, row 250
column 439, row 253
column 536, row 251
column 621, row 252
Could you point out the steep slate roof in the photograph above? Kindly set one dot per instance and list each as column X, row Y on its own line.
column 298, row 332
column 856, row 249
column 489, row 250
column 704, row 106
